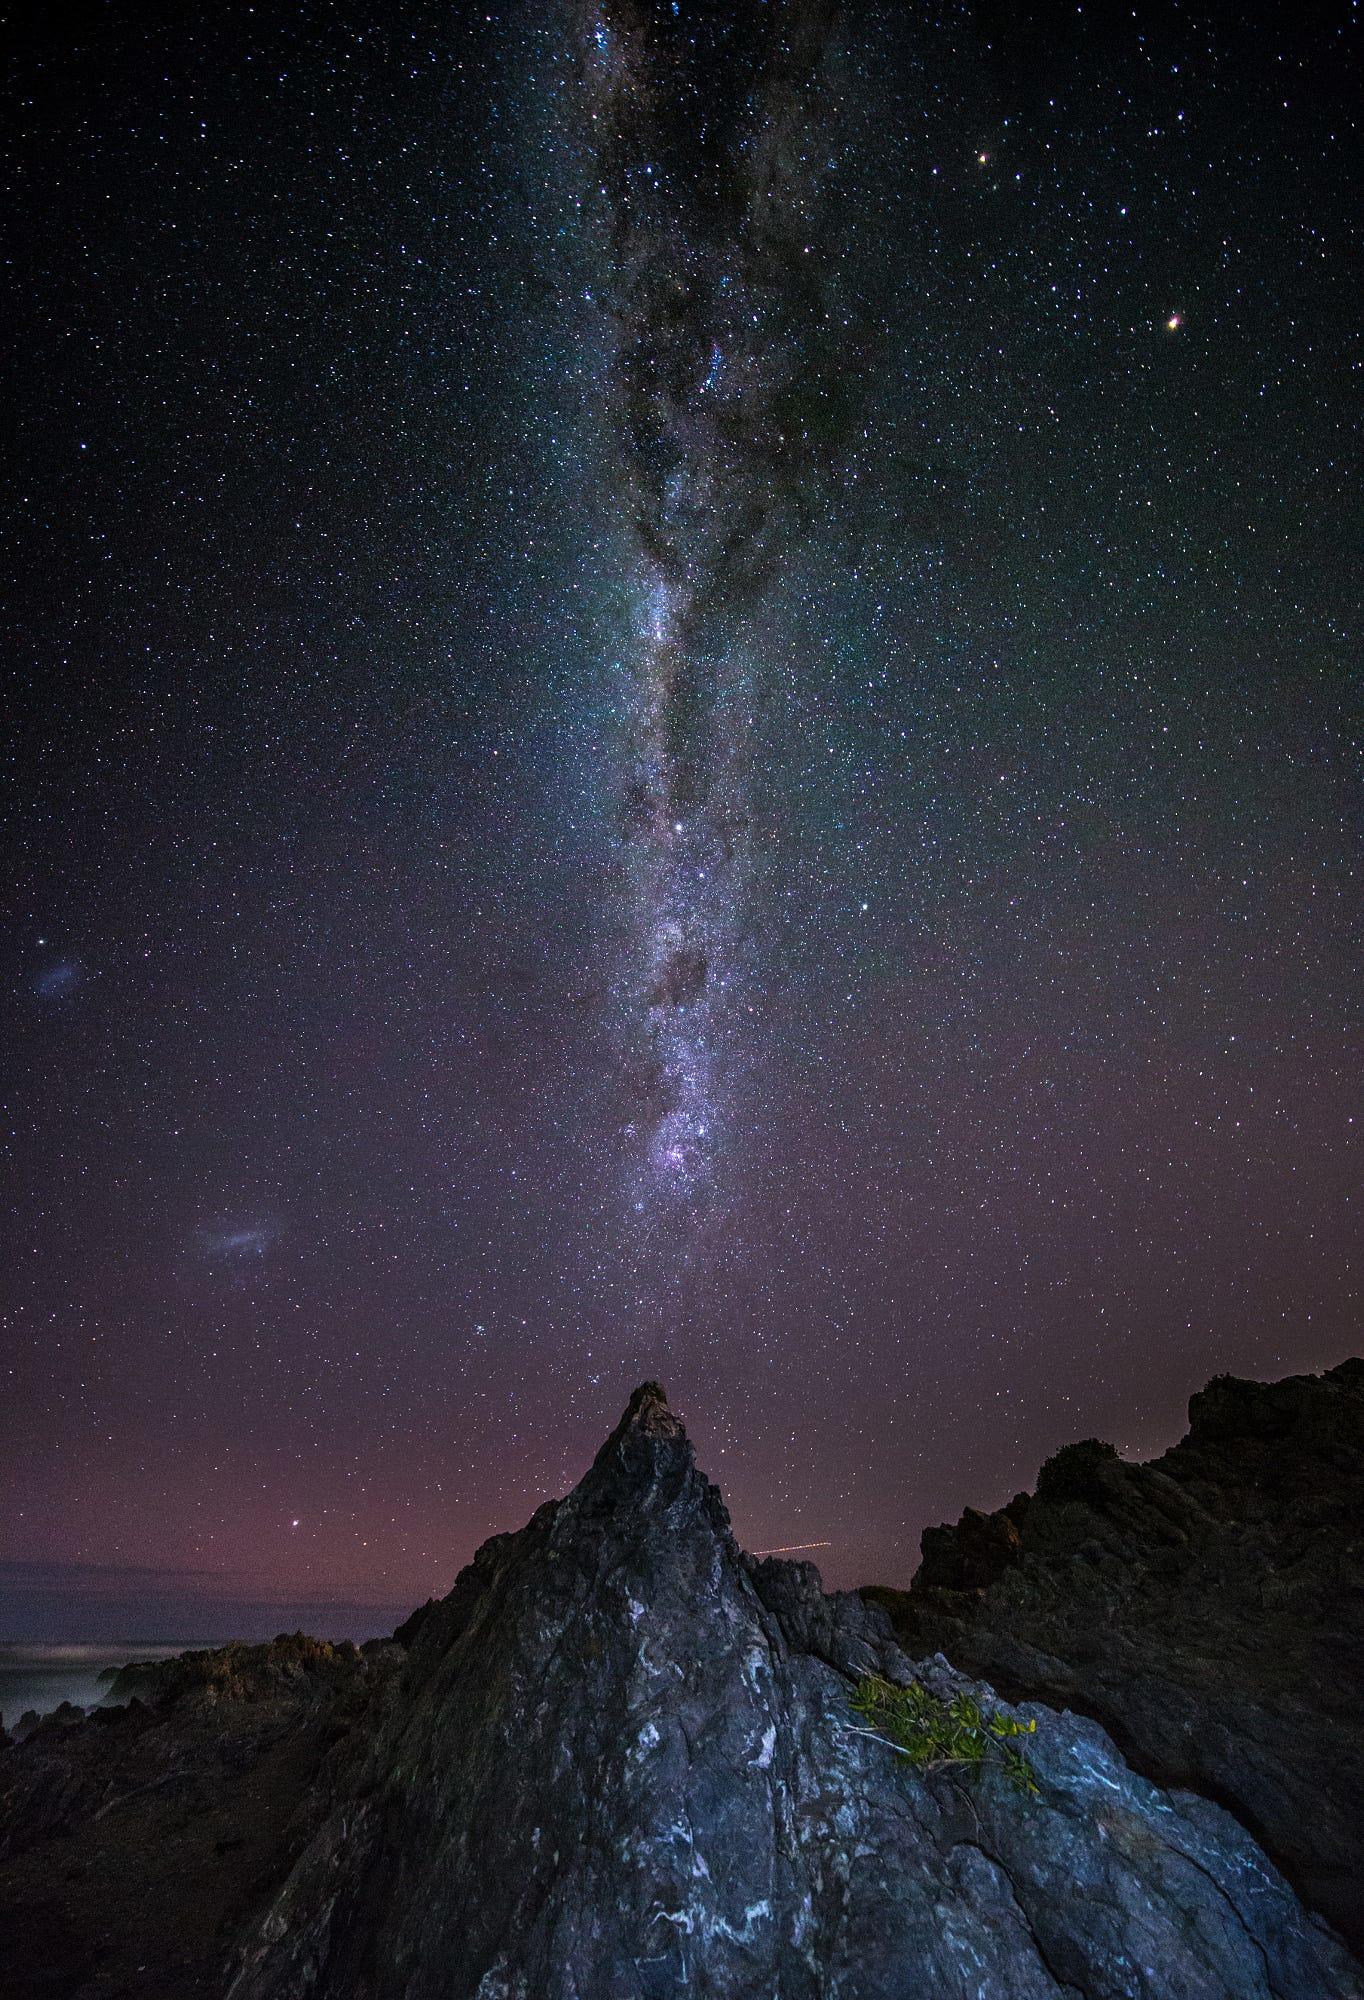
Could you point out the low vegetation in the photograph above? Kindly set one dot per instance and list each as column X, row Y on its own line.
column 937, row 1732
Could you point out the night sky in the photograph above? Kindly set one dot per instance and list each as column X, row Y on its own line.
column 682, row 698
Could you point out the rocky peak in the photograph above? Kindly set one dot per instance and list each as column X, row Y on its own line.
column 622, row 1763
column 647, row 1412
column 646, row 1463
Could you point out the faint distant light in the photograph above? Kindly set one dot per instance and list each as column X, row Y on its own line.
column 792, row 1548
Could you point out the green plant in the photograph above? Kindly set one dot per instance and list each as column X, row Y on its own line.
column 937, row 1732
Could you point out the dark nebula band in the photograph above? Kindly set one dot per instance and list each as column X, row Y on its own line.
column 709, row 144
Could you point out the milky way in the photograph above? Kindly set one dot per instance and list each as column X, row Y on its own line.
column 712, row 142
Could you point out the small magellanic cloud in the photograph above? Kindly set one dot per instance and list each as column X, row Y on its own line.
column 57, row 981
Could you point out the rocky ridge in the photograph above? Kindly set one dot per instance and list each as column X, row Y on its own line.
column 1207, row 1608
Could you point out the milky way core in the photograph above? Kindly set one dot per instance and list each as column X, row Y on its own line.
column 707, row 142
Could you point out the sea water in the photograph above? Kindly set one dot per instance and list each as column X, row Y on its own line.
column 41, row 1677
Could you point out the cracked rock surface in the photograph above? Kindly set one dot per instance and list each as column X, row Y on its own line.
column 620, row 1763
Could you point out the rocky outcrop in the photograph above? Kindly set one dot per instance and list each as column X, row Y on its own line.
column 1207, row 1608
column 293, row 1663
column 135, row 1841
column 621, row 1763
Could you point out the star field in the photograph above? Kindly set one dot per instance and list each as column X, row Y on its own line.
column 726, row 747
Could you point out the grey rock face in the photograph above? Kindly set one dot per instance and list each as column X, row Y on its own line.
column 1207, row 1608
column 621, row 1764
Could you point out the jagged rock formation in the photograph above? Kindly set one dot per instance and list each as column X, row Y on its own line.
column 1207, row 1608
column 136, row 1841
column 619, row 1762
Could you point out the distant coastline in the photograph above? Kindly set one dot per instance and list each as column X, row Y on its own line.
column 58, row 1604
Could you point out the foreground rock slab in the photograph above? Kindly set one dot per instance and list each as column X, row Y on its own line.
column 620, row 1763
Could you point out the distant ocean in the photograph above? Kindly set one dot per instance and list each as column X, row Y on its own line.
column 42, row 1677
